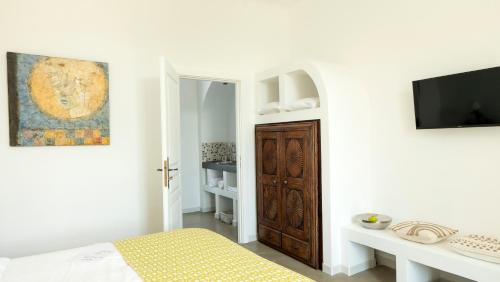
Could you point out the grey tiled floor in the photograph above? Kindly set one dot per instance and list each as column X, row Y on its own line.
column 207, row 220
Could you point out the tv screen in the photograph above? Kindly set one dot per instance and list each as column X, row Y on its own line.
column 460, row 100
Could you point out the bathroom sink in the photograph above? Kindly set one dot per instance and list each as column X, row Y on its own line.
column 226, row 162
column 229, row 166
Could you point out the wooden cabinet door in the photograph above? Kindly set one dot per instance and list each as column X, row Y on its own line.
column 268, row 184
column 296, row 157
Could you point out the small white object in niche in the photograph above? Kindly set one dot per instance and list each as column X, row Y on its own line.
column 301, row 104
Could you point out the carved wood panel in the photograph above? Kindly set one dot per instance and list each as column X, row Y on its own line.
column 295, row 209
column 271, row 203
column 294, row 154
column 269, row 156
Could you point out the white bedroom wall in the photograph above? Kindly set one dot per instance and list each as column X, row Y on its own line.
column 60, row 197
column 190, row 145
column 448, row 176
column 218, row 114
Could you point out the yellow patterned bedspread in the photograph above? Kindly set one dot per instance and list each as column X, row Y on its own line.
column 198, row 255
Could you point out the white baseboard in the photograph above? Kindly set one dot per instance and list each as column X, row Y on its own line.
column 336, row 269
column 208, row 209
column 355, row 269
column 326, row 269
column 248, row 239
column 190, row 210
column 331, row 270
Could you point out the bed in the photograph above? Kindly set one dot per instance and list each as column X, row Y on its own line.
column 191, row 254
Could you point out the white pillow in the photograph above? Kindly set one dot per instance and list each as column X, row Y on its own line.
column 269, row 108
column 306, row 103
column 3, row 265
column 423, row 232
column 477, row 246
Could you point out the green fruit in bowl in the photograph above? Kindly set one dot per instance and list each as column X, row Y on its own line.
column 373, row 219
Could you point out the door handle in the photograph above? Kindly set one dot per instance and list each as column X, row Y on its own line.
column 274, row 182
column 166, row 178
column 170, row 169
column 166, row 172
column 285, row 182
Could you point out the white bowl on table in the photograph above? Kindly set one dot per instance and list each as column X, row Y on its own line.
column 382, row 222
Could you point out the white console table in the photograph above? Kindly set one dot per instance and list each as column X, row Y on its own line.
column 414, row 262
column 228, row 175
column 227, row 194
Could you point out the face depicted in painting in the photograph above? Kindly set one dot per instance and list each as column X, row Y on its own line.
column 57, row 101
column 66, row 89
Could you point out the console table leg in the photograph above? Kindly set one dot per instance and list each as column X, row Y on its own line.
column 410, row 271
column 359, row 258
column 217, row 206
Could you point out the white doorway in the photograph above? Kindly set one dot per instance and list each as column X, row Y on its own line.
column 209, row 162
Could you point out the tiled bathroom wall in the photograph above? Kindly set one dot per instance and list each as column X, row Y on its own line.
column 218, row 151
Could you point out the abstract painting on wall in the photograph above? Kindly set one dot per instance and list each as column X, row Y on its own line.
column 57, row 102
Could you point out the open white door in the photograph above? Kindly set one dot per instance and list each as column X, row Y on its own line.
column 170, row 142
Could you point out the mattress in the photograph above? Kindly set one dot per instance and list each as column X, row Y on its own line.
column 181, row 255
column 198, row 255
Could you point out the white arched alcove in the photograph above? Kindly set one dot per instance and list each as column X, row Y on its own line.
column 343, row 114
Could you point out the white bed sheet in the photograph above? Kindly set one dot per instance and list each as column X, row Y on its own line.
column 3, row 266
column 94, row 263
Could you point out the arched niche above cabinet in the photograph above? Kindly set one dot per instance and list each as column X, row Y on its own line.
column 287, row 93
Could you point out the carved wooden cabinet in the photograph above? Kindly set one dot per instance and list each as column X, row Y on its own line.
column 289, row 189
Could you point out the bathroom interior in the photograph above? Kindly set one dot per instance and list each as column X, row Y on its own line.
column 208, row 155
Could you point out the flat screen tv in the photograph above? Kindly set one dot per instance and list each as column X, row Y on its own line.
column 466, row 99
